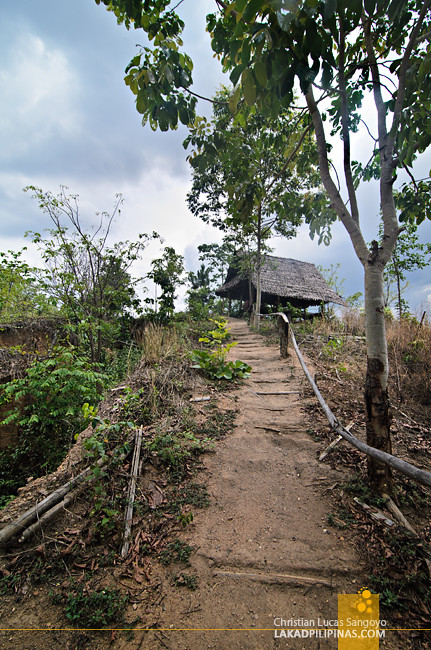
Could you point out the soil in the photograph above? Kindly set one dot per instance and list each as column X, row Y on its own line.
column 262, row 549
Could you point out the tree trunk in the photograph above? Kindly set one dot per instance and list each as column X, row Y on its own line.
column 258, row 265
column 378, row 413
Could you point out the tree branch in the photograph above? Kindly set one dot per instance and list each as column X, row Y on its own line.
column 337, row 202
column 401, row 91
column 345, row 126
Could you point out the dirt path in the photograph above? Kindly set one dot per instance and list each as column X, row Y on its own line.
column 263, row 547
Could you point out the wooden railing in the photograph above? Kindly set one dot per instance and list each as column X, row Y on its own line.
column 419, row 475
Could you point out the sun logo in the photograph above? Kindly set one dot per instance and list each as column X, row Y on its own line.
column 365, row 602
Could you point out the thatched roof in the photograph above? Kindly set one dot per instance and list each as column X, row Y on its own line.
column 299, row 283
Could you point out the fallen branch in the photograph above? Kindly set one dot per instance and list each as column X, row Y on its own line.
column 280, row 392
column 329, row 447
column 131, row 492
column 50, row 514
column 273, row 577
column 398, row 515
column 375, row 513
column 334, row 443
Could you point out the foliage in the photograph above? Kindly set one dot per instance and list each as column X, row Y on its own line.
column 214, row 363
column 343, row 51
column 176, row 450
column 50, row 396
column 167, row 272
column 185, row 580
column 331, row 275
column 409, row 255
column 95, row 609
column 176, row 552
column 200, row 298
column 89, row 279
column 20, row 294
column 46, row 405
column 248, row 172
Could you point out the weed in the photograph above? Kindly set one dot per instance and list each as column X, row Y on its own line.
column 94, row 609
column 176, row 552
column 342, row 518
column 177, row 451
column 193, row 494
column 214, row 363
column 357, row 486
column 9, row 582
column 315, row 436
column 218, row 424
column 184, row 580
column 331, row 348
column 185, row 518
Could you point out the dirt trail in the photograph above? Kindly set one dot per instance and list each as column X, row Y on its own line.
column 263, row 547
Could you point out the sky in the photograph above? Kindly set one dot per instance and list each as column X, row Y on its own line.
column 67, row 118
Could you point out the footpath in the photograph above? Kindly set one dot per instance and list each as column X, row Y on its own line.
column 265, row 555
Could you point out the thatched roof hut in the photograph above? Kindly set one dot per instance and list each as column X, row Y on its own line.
column 282, row 280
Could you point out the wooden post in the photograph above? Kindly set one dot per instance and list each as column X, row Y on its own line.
column 283, row 330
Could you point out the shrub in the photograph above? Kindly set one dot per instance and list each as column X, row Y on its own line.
column 46, row 404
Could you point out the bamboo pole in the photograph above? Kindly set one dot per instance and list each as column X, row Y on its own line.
column 131, row 493
column 419, row 475
column 33, row 518
column 25, row 520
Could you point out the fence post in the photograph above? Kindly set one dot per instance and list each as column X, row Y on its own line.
column 283, row 329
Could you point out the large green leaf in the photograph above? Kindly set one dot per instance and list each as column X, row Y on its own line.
column 261, row 72
column 249, row 87
column 142, row 102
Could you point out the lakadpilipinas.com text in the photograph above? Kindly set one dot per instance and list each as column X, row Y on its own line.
column 301, row 628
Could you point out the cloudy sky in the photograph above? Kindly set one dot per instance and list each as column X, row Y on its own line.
column 66, row 118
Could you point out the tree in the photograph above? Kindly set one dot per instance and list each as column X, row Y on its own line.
column 409, row 255
column 200, row 297
column 89, row 279
column 20, row 294
column 342, row 50
column 167, row 272
column 256, row 173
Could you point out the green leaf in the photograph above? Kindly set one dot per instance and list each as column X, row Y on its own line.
column 260, row 72
column 395, row 9
column 329, row 9
column 184, row 115
column 285, row 20
column 251, row 9
column 235, row 74
column 142, row 102
column 249, row 87
column 234, row 99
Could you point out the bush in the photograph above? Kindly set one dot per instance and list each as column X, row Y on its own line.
column 46, row 404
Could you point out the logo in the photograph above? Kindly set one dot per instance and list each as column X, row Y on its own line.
column 358, row 621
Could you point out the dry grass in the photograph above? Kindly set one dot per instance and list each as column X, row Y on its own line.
column 409, row 345
column 159, row 343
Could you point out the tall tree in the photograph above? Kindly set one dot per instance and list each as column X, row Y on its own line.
column 167, row 272
column 341, row 50
column 256, row 173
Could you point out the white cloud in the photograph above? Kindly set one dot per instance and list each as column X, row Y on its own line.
column 40, row 92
